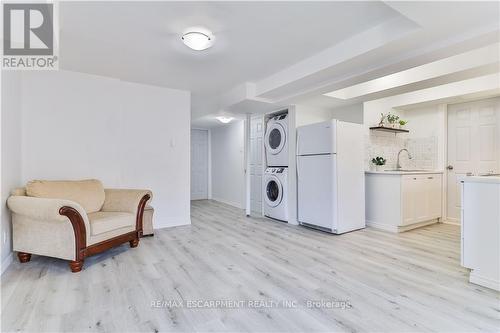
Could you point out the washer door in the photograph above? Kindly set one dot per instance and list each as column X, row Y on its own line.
column 275, row 138
column 274, row 191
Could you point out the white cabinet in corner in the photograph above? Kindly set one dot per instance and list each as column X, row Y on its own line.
column 480, row 229
column 400, row 201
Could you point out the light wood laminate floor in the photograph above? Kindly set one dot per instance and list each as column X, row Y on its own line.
column 383, row 282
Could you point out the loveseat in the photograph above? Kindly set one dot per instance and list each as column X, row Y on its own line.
column 72, row 220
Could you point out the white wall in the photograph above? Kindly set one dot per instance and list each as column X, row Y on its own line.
column 427, row 119
column 305, row 115
column 125, row 134
column 10, row 154
column 427, row 138
column 351, row 113
column 228, row 163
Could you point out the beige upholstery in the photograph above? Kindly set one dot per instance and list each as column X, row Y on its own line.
column 88, row 193
column 38, row 228
column 147, row 221
column 108, row 235
column 101, row 222
column 18, row 191
column 122, row 200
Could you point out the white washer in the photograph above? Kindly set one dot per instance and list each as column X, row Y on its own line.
column 275, row 193
column 276, row 141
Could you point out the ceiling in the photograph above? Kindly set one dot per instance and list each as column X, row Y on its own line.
column 268, row 53
column 140, row 42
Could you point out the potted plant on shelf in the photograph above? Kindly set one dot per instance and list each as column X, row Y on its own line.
column 402, row 123
column 392, row 119
column 379, row 162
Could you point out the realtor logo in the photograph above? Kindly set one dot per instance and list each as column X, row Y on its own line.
column 28, row 36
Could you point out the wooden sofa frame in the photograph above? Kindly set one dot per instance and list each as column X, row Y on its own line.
column 81, row 248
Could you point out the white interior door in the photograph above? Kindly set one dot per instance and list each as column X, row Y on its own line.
column 256, row 161
column 199, row 164
column 473, row 145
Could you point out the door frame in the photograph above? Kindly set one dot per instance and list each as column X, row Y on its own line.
column 209, row 160
column 251, row 119
column 444, row 110
column 444, row 163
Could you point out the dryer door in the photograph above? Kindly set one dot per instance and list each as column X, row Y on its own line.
column 275, row 138
column 274, row 191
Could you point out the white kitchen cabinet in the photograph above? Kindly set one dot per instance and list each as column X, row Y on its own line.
column 408, row 202
column 435, row 191
column 480, row 229
column 421, row 197
column 399, row 201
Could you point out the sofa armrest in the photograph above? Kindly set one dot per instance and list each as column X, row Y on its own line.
column 124, row 200
column 54, row 213
column 44, row 209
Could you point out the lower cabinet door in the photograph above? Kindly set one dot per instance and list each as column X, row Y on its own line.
column 420, row 198
column 434, row 187
column 408, row 195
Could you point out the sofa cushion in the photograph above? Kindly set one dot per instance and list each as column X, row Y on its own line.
column 101, row 222
column 88, row 193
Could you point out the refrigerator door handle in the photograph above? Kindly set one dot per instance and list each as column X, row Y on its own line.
column 297, row 167
column 297, row 155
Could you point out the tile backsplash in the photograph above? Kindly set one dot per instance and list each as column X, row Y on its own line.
column 423, row 150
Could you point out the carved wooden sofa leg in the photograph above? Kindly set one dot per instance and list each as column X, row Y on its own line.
column 134, row 242
column 24, row 257
column 76, row 266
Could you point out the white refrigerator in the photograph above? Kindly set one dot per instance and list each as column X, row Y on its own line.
column 330, row 176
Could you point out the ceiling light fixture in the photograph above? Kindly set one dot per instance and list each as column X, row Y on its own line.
column 197, row 40
column 224, row 120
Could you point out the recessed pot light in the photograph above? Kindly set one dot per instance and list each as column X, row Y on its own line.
column 197, row 40
column 224, row 120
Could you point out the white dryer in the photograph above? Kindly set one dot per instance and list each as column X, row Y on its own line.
column 275, row 193
column 276, row 141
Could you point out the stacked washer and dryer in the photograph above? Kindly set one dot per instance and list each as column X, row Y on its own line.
column 276, row 175
column 330, row 174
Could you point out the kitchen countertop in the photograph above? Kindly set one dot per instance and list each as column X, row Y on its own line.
column 392, row 172
column 481, row 179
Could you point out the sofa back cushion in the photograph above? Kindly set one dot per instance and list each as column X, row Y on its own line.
column 18, row 191
column 88, row 193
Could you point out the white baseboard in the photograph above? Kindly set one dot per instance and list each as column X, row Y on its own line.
column 230, row 203
column 397, row 229
column 417, row 225
column 453, row 222
column 174, row 222
column 381, row 226
column 484, row 281
column 6, row 262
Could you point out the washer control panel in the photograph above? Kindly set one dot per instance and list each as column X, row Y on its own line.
column 275, row 170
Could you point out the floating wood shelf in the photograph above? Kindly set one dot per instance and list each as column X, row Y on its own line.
column 389, row 129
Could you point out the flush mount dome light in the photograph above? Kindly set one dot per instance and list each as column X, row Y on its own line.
column 224, row 120
column 197, row 40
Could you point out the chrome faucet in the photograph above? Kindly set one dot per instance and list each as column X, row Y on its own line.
column 398, row 165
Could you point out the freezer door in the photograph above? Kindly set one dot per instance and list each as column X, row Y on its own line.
column 319, row 138
column 316, row 190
